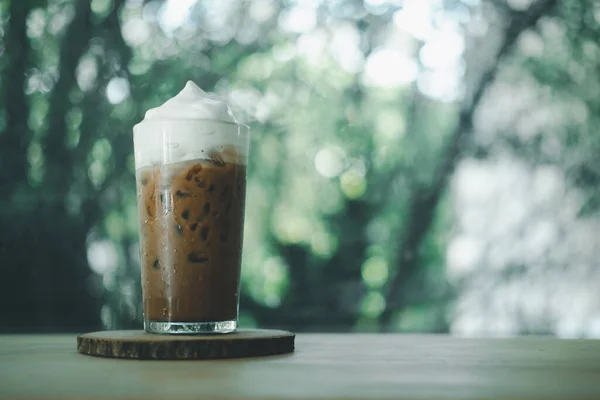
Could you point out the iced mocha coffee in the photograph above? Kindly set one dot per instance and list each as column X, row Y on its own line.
column 191, row 195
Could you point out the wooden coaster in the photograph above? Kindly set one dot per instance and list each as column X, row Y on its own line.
column 144, row 346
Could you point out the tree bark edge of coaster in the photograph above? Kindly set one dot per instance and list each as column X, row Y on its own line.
column 137, row 344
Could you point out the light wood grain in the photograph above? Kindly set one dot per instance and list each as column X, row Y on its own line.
column 322, row 367
column 146, row 346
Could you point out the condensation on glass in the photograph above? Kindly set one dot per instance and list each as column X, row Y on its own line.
column 191, row 196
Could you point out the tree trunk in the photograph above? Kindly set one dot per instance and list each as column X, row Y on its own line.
column 13, row 163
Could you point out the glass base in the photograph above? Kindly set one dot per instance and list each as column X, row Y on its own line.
column 190, row 328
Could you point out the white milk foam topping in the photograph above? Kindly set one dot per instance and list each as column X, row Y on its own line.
column 192, row 103
column 189, row 126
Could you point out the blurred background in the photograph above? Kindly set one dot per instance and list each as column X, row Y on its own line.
column 417, row 165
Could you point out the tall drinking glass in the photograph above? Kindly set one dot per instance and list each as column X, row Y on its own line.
column 191, row 185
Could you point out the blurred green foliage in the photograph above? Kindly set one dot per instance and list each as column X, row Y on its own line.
column 347, row 213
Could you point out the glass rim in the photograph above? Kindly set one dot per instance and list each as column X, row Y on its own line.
column 191, row 121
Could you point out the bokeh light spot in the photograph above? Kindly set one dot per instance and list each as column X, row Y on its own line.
column 373, row 304
column 117, row 90
column 353, row 184
column 330, row 161
column 389, row 68
column 102, row 256
column 375, row 272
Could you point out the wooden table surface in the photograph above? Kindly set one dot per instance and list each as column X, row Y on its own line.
column 324, row 366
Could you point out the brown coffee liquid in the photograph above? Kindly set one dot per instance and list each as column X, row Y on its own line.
column 191, row 217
